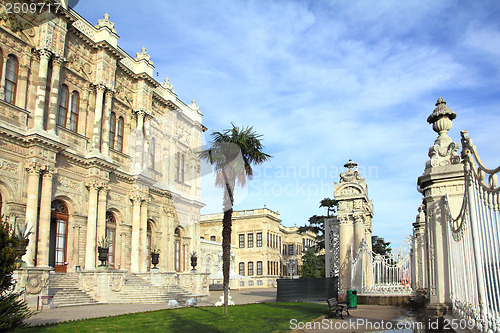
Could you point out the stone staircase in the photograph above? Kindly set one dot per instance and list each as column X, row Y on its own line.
column 138, row 290
column 64, row 289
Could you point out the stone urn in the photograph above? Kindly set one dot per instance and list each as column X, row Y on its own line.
column 103, row 255
column 194, row 262
column 155, row 259
column 21, row 249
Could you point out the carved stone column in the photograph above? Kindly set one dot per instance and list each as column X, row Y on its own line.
column 33, row 190
column 105, row 122
column 57, row 63
column 101, row 212
column 76, row 245
column 359, row 232
column 41, row 87
column 90, row 246
column 346, row 240
column 45, row 215
column 136, row 226
column 143, row 255
column 2, row 82
column 96, row 134
column 122, row 250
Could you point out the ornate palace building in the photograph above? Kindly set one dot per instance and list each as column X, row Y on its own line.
column 92, row 146
column 264, row 248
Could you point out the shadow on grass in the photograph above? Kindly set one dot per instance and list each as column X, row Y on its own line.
column 297, row 306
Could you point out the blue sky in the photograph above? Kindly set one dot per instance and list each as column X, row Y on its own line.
column 325, row 81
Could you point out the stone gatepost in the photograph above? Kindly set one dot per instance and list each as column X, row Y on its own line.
column 443, row 174
column 354, row 213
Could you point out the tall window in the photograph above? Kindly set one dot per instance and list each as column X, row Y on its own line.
column 179, row 167
column 259, row 239
column 268, row 239
column 242, row 269
column 242, row 241
column 259, row 267
column 11, row 79
column 111, row 235
column 290, row 249
column 73, row 119
column 63, row 106
column 152, row 153
column 250, row 268
column 1, row 201
column 119, row 135
column 250, row 240
column 112, row 130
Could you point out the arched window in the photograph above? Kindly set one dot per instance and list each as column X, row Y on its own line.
column 242, row 269
column 152, row 153
column 75, row 103
column 63, row 106
column 119, row 135
column 111, row 236
column 112, row 130
column 11, row 79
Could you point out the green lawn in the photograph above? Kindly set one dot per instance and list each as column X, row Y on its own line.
column 264, row 317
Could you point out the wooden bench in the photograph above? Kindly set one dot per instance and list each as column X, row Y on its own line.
column 334, row 307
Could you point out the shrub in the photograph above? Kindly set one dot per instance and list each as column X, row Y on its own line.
column 13, row 310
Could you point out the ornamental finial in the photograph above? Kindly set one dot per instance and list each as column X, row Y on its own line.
column 105, row 22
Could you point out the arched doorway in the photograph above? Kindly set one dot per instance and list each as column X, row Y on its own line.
column 58, row 236
column 111, row 236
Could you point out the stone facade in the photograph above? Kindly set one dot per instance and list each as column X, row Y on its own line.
column 264, row 248
column 354, row 214
column 92, row 145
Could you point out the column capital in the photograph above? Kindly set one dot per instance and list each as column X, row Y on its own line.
column 358, row 218
column 44, row 53
column 98, row 87
column 49, row 172
column 103, row 188
column 136, row 199
column 109, row 93
column 58, row 60
column 93, row 185
column 33, row 168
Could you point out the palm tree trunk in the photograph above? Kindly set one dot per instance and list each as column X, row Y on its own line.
column 226, row 254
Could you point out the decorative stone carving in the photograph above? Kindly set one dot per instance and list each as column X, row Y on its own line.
column 444, row 151
column 34, row 284
column 8, row 166
column 143, row 55
column 88, row 283
column 116, row 282
column 68, row 183
column 106, row 23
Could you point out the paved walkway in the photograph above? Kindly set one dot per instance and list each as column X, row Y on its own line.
column 243, row 296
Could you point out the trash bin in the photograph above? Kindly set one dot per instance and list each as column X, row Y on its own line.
column 352, row 299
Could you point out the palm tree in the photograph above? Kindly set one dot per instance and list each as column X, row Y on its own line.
column 232, row 154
